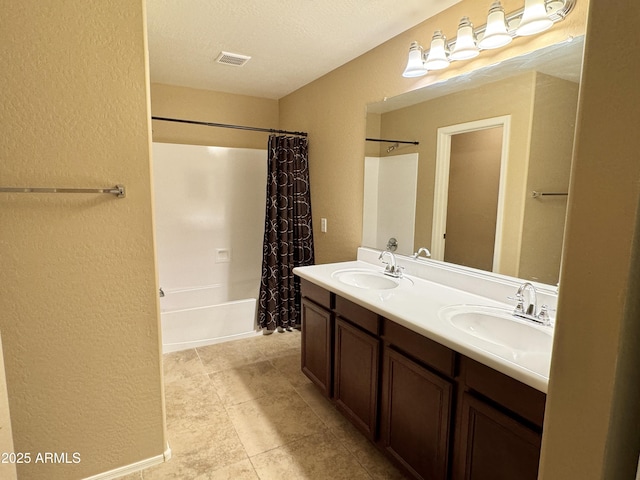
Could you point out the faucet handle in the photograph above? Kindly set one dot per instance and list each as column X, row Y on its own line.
column 519, row 298
column 424, row 250
column 543, row 316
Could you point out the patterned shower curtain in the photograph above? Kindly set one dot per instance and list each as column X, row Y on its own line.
column 288, row 236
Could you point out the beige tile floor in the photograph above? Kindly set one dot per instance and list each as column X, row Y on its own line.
column 243, row 410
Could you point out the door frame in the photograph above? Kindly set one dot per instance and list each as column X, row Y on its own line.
column 441, row 188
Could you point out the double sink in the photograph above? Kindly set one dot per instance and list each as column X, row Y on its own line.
column 493, row 329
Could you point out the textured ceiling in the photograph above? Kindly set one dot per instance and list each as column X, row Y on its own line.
column 291, row 42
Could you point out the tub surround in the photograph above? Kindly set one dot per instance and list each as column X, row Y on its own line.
column 427, row 287
column 209, row 233
column 207, row 325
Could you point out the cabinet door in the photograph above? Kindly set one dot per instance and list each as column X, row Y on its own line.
column 416, row 416
column 356, row 376
column 316, row 345
column 494, row 446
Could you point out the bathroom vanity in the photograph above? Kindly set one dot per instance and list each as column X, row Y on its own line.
column 438, row 392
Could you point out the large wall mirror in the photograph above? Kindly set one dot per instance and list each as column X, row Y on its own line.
column 487, row 185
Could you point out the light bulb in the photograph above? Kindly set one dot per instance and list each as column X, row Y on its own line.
column 465, row 47
column 534, row 19
column 415, row 64
column 496, row 34
column 437, row 58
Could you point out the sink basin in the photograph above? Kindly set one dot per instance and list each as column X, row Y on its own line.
column 366, row 279
column 499, row 327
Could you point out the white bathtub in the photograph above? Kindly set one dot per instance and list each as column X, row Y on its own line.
column 194, row 318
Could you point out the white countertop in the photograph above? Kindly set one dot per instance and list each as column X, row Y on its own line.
column 415, row 304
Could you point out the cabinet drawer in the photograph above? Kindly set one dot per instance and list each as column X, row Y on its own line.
column 421, row 348
column 358, row 315
column 521, row 399
column 316, row 293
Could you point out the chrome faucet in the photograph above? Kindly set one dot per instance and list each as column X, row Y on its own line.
column 391, row 269
column 427, row 253
column 532, row 308
column 531, row 311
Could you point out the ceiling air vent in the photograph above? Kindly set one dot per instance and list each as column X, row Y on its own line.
column 233, row 59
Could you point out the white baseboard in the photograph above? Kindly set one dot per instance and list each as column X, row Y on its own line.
column 134, row 467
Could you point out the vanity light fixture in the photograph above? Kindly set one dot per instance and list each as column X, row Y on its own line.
column 535, row 17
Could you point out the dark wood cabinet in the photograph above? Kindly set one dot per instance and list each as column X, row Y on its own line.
column 436, row 413
column 499, row 426
column 522, row 401
column 415, row 416
column 493, row 445
column 356, row 376
column 317, row 345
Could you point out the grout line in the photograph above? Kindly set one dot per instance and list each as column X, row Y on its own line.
column 254, row 468
column 199, row 358
column 325, row 426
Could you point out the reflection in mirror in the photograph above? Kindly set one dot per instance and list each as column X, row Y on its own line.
column 537, row 95
column 390, row 200
column 469, row 198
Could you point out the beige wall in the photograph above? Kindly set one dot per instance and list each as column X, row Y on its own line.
column 333, row 110
column 216, row 107
column 593, row 408
column 79, row 313
column 513, row 96
column 374, row 149
column 552, row 132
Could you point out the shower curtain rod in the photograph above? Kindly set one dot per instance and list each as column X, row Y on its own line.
column 391, row 141
column 224, row 125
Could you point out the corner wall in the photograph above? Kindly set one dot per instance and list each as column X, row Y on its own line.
column 593, row 407
column 79, row 312
column 552, row 136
